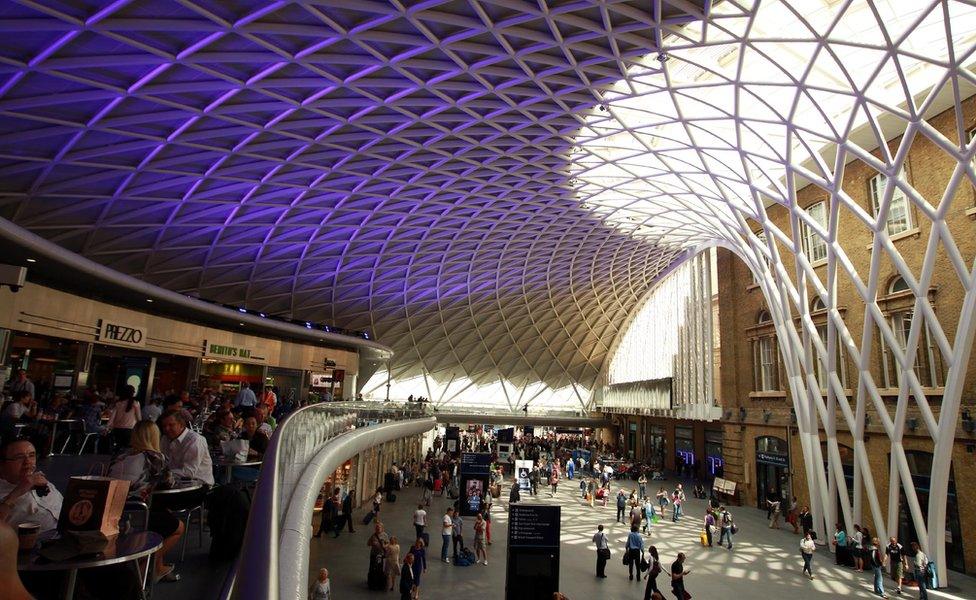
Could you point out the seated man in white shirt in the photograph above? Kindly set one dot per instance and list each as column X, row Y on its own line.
column 186, row 450
column 19, row 485
column 26, row 496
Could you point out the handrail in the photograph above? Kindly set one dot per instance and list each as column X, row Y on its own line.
column 305, row 448
column 296, row 529
column 257, row 572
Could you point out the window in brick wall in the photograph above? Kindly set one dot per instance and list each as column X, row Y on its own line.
column 765, row 359
column 814, row 246
column 928, row 363
column 899, row 213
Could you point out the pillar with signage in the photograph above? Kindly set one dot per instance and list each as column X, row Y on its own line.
column 532, row 567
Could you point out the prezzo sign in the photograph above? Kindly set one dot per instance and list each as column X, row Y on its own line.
column 119, row 334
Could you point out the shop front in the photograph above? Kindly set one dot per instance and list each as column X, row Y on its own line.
column 772, row 470
column 68, row 343
column 684, row 449
column 657, row 446
column 714, row 459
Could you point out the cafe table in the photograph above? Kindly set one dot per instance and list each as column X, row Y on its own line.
column 230, row 463
column 123, row 548
column 179, row 487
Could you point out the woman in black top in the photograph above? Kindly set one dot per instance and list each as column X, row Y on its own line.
column 652, row 572
column 678, row 573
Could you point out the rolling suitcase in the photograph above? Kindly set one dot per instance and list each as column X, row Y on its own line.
column 368, row 517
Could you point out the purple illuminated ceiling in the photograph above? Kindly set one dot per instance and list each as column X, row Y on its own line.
column 400, row 167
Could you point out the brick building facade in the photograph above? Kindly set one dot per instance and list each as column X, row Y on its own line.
column 761, row 448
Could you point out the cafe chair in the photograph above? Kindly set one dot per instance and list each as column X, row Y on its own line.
column 139, row 509
column 75, row 430
column 186, row 515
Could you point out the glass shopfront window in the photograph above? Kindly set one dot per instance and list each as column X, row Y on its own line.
column 715, row 461
column 772, row 470
column 684, row 449
column 657, row 440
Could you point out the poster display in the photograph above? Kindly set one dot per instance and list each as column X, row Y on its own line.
column 523, row 468
column 475, row 471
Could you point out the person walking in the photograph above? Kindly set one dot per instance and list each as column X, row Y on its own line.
column 709, row 525
column 896, row 558
column 662, row 500
column 345, row 517
column 420, row 520
column 857, row 545
column 457, row 532
column 878, row 560
column 480, row 542
column 602, row 551
column 321, row 588
column 447, row 529
column 806, row 522
column 653, row 570
column 678, row 574
column 774, row 510
column 391, row 561
column 621, row 506
column 642, row 486
column 582, row 487
column 636, row 514
column 419, row 552
column 920, row 564
column 554, row 480
column 486, row 515
column 725, row 522
column 648, row 514
column 634, row 550
column 407, row 582
column 807, row 548
column 840, row 544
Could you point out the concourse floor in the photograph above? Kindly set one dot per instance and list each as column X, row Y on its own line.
column 763, row 563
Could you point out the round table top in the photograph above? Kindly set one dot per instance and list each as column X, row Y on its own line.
column 222, row 461
column 68, row 421
column 123, row 548
column 181, row 485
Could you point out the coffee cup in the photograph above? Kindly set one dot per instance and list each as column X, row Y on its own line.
column 27, row 535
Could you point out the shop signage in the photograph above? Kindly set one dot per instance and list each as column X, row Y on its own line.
column 232, row 352
column 777, row 460
column 110, row 332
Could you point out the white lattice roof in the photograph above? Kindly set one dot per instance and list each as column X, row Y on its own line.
column 489, row 187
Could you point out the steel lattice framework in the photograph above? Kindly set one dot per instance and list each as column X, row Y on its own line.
column 492, row 186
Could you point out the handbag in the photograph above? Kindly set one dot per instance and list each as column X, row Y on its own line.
column 626, row 558
column 605, row 553
column 644, row 564
column 734, row 529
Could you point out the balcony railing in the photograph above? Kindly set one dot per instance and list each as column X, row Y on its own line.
column 304, row 450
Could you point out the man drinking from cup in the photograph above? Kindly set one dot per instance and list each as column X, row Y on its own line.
column 25, row 495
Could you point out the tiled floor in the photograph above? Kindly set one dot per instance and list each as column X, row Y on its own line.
column 764, row 562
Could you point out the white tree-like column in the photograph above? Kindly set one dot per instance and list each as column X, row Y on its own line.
column 705, row 142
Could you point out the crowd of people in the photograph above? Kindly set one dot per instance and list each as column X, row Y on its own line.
column 637, row 505
column 170, row 440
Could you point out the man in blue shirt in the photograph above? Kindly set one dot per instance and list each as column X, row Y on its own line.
column 245, row 398
column 635, row 549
